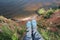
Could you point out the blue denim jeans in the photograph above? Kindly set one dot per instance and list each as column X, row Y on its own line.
column 32, row 33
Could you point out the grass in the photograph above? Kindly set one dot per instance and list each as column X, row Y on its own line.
column 49, row 35
column 8, row 34
column 9, row 30
column 42, row 25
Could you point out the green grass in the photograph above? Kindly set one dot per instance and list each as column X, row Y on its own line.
column 48, row 35
column 8, row 34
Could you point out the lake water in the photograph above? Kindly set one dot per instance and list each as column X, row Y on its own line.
column 22, row 8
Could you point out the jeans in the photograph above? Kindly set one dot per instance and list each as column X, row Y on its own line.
column 32, row 33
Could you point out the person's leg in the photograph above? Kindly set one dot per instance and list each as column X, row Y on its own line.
column 36, row 34
column 28, row 34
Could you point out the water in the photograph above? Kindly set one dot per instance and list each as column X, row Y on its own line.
column 22, row 8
